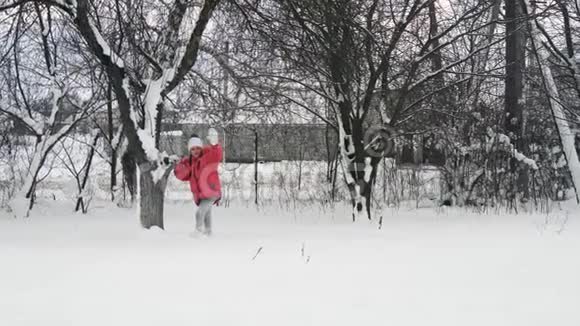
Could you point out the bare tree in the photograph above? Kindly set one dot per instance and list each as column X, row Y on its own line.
column 41, row 99
column 349, row 53
column 543, row 46
column 80, row 171
column 159, row 56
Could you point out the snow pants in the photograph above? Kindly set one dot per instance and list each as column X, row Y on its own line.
column 203, row 215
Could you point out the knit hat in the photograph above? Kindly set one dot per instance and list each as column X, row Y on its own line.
column 194, row 141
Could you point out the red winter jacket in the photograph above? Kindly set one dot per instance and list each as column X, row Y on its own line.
column 202, row 173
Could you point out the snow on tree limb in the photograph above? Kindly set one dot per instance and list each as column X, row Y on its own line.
column 342, row 137
column 116, row 141
column 506, row 141
column 56, row 97
column 33, row 124
column 368, row 169
column 106, row 49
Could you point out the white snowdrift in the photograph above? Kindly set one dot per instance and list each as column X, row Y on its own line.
column 422, row 268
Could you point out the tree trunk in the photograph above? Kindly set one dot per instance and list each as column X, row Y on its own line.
column 514, row 88
column 23, row 201
column 515, row 64
column 152, row 198
column 329, row 158
column 358, row 165
column 113, row 178
column 334, row 175
column 129, row 174
column 360, row 180
column 111, row 133
column 474, row 85
column 90, row 155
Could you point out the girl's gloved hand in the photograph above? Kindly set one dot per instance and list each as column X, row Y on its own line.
column 212, row 136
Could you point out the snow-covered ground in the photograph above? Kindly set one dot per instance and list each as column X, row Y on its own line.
column 424, row 267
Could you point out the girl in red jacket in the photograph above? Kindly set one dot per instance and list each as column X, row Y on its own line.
column 200, row 168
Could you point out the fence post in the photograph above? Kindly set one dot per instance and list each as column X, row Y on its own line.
column 256, row 165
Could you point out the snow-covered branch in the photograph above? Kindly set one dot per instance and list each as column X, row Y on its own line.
column 34, row 124
column 506, row 142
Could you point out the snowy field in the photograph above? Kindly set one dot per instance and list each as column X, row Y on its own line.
column 424, row 267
